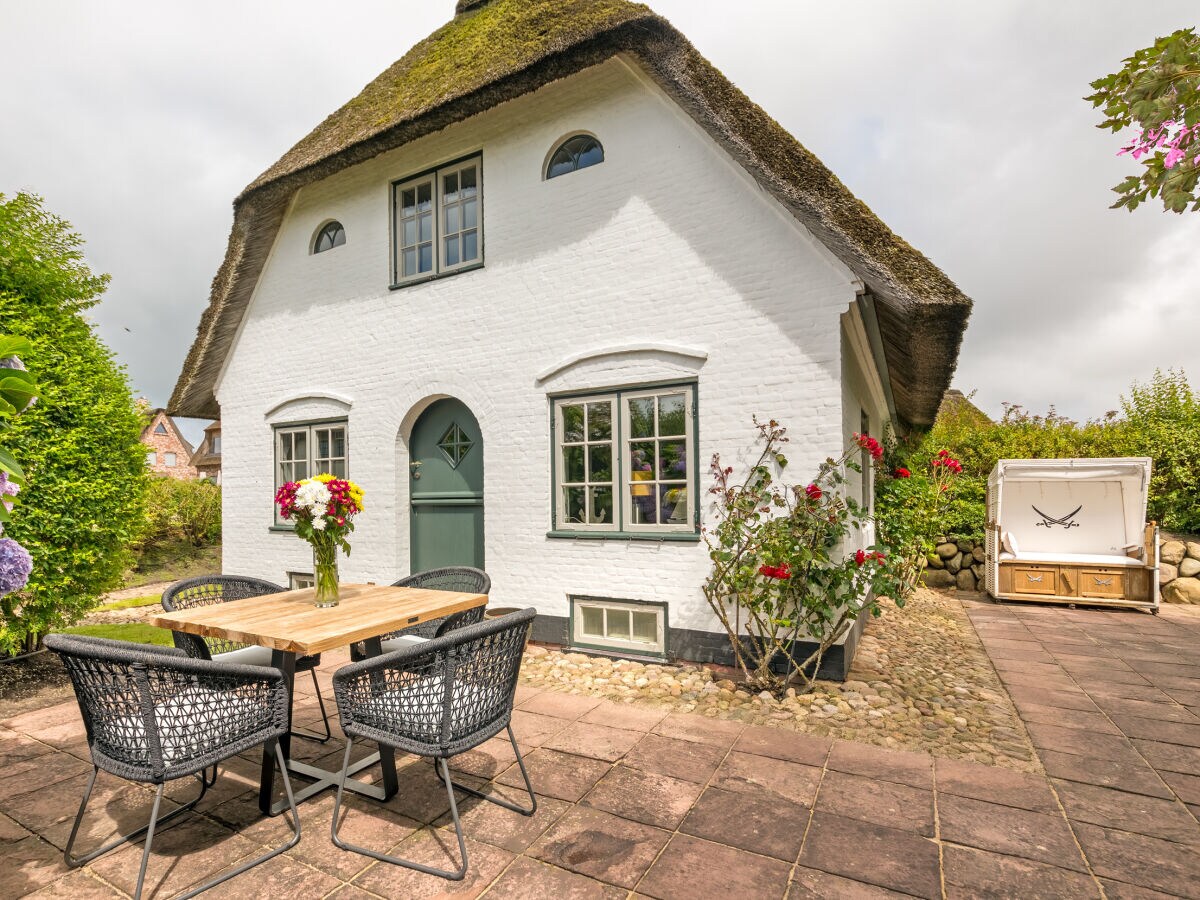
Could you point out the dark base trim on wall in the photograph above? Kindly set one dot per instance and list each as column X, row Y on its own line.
column 690, row 645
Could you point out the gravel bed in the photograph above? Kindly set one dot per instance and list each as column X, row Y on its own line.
column 921, row 681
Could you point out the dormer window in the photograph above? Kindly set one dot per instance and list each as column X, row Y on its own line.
column 331, row 235
column 576, row 153
column 438, row 222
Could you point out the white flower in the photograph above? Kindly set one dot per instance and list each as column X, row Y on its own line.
column 318, row 524
column 313, row 494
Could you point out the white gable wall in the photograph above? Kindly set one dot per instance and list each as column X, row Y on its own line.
column 667, row 244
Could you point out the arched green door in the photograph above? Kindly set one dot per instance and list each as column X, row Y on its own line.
column 446, row 479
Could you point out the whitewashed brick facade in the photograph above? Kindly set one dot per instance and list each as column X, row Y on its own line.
column 667, row 257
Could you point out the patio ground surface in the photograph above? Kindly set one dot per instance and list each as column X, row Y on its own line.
column 636, row 801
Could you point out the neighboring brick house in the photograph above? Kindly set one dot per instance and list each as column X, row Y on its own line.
column 168, row 451
column 662, row 261
column 207, row 458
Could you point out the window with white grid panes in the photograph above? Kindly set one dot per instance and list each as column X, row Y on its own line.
column 656, row 460
column 586, row 499
column 624, row 461
column 302, row 451
column 299, row 580
column 438, row 222
column 617, row 625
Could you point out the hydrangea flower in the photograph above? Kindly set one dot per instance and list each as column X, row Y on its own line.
column 15, row 566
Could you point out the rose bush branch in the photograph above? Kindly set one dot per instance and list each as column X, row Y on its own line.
column 783, row 583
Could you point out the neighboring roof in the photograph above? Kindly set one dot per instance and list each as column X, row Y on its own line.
column 957, row 405
column 157, row 415
column 499, row 50
column 204, row 457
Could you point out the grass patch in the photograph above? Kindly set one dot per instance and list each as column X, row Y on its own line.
column 132, row 602
column 135, row 632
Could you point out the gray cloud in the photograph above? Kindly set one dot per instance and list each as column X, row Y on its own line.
column 960, row 124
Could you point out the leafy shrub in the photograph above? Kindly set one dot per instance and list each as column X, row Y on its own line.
column 182, row 511
column 1160, row 419
column 85, row 471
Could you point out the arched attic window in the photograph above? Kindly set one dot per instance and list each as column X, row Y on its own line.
column 331, row 235
column 577, row 152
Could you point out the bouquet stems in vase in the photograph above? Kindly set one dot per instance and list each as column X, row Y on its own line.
column 323, row 508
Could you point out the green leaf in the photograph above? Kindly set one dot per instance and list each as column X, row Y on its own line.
column 9, row 465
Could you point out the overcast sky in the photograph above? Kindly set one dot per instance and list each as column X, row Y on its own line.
column 960, row 124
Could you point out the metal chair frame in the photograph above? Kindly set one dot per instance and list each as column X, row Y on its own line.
column 477, row 665
column 122, row 688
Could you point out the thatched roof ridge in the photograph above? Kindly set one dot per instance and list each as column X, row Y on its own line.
column 499, row 50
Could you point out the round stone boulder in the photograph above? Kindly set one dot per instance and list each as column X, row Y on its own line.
column 1182, row 590
column 954, row 563
column 1189, row 568
column 1172, row 552
column 1193, row 549
column 936, row 561
column 1167, row 573
column 966, row 580
column 979, row 553
column 947, row 550
column 965, row 546
column 940, row 578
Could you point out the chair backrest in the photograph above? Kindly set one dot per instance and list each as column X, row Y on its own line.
column 206, row 590
column 148, row 708
column 465, row 579
column 443, row 696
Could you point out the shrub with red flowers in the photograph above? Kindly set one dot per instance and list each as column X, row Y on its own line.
column 911, row 503
column 781, row 573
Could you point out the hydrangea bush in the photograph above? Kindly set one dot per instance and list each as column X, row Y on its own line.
column 18, row 392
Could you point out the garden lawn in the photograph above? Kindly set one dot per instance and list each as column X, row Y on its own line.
column 136, row 632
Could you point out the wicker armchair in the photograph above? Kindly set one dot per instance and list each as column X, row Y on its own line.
column 154, row 715
column 437, row 698
column 452, row 578
column 206, row 590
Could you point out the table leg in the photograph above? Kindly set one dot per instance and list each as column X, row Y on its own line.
column 387, row 756
column 286, row 663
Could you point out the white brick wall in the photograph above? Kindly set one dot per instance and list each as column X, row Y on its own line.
column 667, row 242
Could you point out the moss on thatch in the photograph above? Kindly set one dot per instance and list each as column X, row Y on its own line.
column 499, row 50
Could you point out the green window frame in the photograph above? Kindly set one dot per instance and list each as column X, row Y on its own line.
column 624, row 463
column 437, row 222
column 305, row 449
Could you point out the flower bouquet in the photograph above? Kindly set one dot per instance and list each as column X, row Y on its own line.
column 323, row 508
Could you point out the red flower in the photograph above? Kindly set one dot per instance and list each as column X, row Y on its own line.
column 782, row 571
column 860, row 557
column 869, row 444
column 902, row 472
column 813, row 492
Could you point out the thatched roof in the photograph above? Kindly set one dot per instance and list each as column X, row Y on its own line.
column 499, row 50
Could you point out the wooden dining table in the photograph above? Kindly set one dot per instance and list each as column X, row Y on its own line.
column 291, row 625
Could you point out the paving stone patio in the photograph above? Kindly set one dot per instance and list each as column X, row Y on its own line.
column 636, row 801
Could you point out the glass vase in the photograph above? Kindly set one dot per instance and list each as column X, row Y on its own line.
column 325, row 574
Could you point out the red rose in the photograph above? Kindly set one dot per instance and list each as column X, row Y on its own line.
column 860, row 557
column 813, row 492
column 902, row 472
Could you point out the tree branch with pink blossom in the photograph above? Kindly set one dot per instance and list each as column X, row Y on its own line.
column 1157, row 94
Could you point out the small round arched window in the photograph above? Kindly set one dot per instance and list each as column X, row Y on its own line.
column 578, row 152
column 330, row 236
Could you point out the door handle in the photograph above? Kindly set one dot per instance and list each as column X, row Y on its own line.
column 416, row 469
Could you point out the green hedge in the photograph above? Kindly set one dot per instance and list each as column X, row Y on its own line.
column 182, row 512
column 1159, row 419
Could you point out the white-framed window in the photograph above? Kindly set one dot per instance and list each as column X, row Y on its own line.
column 865, row 461
column 214, row 446
column 300, row 580
column 302, row 451
column 438, row 221
column 169, row 459
column 331, row 235
column 602, row 623
column 152, row 458
column 624, row 461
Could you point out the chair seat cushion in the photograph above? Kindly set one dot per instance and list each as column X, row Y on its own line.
column 1076, row 559
column 261, row 656
column 399, row 643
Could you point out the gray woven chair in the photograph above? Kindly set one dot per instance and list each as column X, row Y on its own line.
column 437, row 698
column 466, row 579
column 205, row 590
column 155, row 715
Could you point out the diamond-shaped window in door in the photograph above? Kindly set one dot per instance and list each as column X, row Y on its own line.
column 455, row 444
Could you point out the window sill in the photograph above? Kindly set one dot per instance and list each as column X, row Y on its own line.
column 687, row 537
column 284, row 529
column 399, row 286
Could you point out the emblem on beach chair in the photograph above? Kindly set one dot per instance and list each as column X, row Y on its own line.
column 1065, row 521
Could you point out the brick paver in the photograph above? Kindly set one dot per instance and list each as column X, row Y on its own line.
column 638, row 802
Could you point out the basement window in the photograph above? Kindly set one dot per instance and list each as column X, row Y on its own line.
column 300, row 580
column 623, row 625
